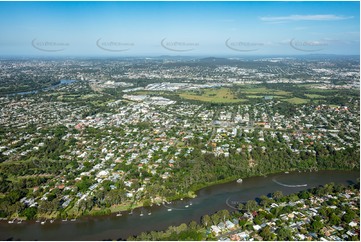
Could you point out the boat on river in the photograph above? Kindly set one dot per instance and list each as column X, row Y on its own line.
column 239, row 180
column 207, row 200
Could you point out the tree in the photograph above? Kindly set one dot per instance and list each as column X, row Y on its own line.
column 146, row 203
column 276, row 211
column 329, row 188
column 322, row 211
column 293, row 198
column 215, row 218
column 224, row 214
column 84, row 184
column 349, row 216
column 284, row 234
column 277, row 195
column 316, row 225
column 251, row 205
column 266, row 233
column 182, row 227
column 240, row 206
column 30, row 213
column 304, row 195
column 206, row 220
column 144, row 236
column 334, row 219
column 193, row 225
column 257, row 220
column 265, row 201
column 154, row 236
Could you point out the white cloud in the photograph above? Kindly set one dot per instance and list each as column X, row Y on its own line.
column 276, row 22
column 318, row 17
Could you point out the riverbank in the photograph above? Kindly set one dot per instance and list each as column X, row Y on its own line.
column 272, row 220
column 196, row 188
column 131, row 205
column 208, row 201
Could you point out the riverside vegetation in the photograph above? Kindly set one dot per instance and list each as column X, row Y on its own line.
column 328, row 212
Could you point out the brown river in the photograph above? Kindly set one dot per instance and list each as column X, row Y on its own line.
column 208, row 201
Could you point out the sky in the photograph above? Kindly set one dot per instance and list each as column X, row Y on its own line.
column 179, row 28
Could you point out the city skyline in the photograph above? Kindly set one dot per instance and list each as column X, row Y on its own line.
column 121, row 29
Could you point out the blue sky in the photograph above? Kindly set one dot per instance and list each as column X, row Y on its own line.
column 179, row 28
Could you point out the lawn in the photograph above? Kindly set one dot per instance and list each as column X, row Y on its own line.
column 125, row 206
column 265, row 91
column 318, row 90
column 147, row 92
column 314, row 96
column 296, row 100
column 90, row 96
column 222, row 95
column 255, row 96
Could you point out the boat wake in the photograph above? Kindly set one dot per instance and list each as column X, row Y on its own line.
column 287, row 185
column 228, row 203
column 173, row 208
